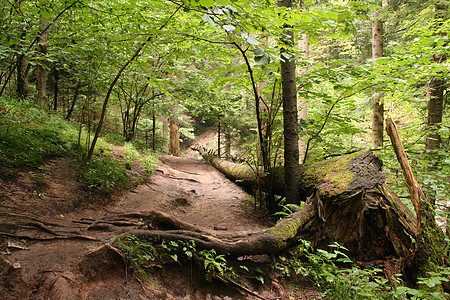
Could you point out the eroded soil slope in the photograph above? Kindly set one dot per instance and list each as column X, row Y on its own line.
column 56, row 237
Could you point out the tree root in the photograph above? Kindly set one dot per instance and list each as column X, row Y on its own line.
column 59, row 237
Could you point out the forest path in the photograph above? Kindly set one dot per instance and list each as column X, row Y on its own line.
column 187, row 188
column 195, row 192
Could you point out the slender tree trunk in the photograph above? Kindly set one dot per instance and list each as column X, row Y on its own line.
column 429, row 254
column 55, row 88
column 174, row 147
column 290, row 116
column 436, row 92
column 303, row 103
column 22, row 77
column 435, row 108
column 154, row 129
column 74, row 100
column 378, row 107
column 227, row 133
column 41, row 71
column 218, row 139
column 113, row 83
column 165, row 125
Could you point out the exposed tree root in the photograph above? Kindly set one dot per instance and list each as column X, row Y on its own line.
column 39, row 238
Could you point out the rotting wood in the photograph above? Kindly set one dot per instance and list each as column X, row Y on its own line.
column 342, row 177
column 348, row 209
column 429, row 252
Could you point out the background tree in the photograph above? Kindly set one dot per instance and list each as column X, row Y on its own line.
column 378, row 106
column 290, row 118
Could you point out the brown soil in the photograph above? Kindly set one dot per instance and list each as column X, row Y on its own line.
column 72, row 265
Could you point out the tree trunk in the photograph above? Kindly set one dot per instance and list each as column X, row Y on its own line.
column 290, row 119
column 378, row 107
column 228, row 142
column 174, row 147
column 55, row 88
column 22, row 77
column 430, row 242
column 74, row 100
column 41, row 71
column 436, row 91
column 165, row 145
column 435, row 109
column 154, row 129
column 218, row 139
column 303, row 103
column 342, row 177
column 342, row 207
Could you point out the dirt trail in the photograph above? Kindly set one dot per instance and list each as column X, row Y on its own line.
column 194, row 191
column 187, row 188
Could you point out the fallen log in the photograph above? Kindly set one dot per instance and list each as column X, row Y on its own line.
column 346, row 202
column 342, row 177
column 369, row 227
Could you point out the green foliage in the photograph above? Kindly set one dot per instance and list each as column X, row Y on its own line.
column 29, row 135
column 339, row 278
column 141, row 255
column 102, row 174
column 215, row 264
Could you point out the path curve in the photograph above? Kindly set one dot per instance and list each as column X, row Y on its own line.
column 195, row 192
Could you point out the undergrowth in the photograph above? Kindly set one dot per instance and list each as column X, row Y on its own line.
column 338, row 277
column 31, row 134
column 332, row 272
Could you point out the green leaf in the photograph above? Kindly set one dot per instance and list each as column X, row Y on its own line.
column 307, row 18
column 260, row 278
column 333, row 15
column 46, row 15
column 207, row 3
column 223, row 2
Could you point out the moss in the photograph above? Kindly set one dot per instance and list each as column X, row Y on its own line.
column 431, row 243
column 287, row 228
column 336, row 173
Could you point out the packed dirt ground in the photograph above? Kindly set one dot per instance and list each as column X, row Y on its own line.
column 60, row 247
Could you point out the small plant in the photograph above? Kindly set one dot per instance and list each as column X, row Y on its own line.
column 103, row 175
column 140, row 254
column 215, row 264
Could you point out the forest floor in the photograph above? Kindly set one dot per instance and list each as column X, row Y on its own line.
column 58, row 254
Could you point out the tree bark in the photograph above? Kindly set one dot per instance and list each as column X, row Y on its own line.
column 342, row 177
column 41, row 71
column 22, row 77
column 290, row 118
column 436, row 89
column 435, row 109
column 303, row 103
column 154, row 128
column 74, row 100
column 174, row 146
column 55, row 88
column 378, row 107
column 429, row 253
column 165, row 125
